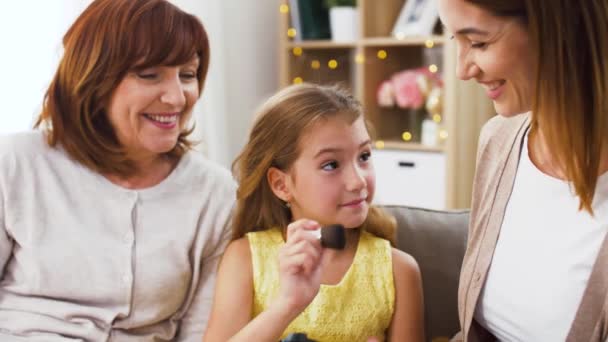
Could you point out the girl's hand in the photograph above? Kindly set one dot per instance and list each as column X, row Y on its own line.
column 299, row 266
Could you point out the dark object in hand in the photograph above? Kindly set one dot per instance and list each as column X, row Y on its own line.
column 297, row 337
column 332, row 236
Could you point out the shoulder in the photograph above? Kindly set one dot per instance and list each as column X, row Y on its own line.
column 208, row 170
column 239, row 248
column 404, row 265
column 26, row 154
column 23, row 143
column 500, row 128
column 202, row 176
column 237, row 253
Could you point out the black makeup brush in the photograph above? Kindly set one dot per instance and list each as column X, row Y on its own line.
column 333, row 236
column 297, row 337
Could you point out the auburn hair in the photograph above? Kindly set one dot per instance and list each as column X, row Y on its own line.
column 274, row 141
column 570, row 104
column 108, row 40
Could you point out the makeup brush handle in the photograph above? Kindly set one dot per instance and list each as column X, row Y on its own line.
column 297, row 337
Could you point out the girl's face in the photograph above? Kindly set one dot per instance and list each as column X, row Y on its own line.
column 150, row 108
column 494, row 51
column 333, row 180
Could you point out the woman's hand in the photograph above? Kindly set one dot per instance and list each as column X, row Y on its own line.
column 300, row 266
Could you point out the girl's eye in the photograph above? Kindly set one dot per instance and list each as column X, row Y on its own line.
column 330, row 166
column 365, row 156
column 478, row 45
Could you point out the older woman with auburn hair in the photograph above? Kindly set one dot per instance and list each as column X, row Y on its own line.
column 110, row 226
column 536, row 266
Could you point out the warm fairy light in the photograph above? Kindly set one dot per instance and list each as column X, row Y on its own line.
column 433, row 68
column 291, row 33
column 437, row 118
column 359, row 58
column 332, row 64
column 443, row 134
column 315, row 64
column 284, row 8
column 297, row 51
column 298, row 80
column 406, row 136
column 379, row 144
column 382, row 54
column 429, row 43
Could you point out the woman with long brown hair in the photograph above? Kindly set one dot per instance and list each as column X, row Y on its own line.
column 111, row 227
column 537, row 255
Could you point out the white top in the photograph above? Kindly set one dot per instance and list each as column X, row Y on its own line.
column 84, row 259
column 543, row 259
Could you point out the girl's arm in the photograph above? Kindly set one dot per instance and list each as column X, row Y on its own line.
column 233, row 296
column 408, row 319
column 299, row 261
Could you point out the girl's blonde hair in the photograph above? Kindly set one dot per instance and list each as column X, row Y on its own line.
column 274, row 142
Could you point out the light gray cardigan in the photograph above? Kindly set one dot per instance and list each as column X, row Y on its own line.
column 84, row 259
column 497, row 160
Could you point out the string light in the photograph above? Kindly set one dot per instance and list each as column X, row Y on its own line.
column 379, row 144
column 291, row 33
column 359, row 58
column 429, row 43
column 406, row 136
column 284, row 8
column 437, row 118
column 433, row 68
column 297, row 51
column 298, row 80
column 443, row 134
column 332, row 64
column 315, row 64
column 382, row 54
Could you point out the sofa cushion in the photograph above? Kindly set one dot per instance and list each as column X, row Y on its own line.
column 437, row 240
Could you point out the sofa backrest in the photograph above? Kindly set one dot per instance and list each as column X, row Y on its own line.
column 437, row 240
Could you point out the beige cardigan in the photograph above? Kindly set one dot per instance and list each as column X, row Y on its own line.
column 497, row 160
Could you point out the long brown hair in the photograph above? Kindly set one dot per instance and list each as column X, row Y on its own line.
column 109, row 39
column 571, row 92
column 274, row 142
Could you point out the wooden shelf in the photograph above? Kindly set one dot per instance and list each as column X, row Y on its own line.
column 321, row 44
column 406, row 146
column 407, row 41
column 371, row 42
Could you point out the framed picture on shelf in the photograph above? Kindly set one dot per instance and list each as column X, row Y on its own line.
column 417, row 18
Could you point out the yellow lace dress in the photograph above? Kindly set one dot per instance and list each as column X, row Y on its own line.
column 360, row 306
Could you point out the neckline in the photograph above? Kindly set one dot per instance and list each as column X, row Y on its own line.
column 348, row 272
column 157, row 188
column 602, row 179
column 356, row 258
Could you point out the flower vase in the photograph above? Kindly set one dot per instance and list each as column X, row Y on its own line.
column 414, row 123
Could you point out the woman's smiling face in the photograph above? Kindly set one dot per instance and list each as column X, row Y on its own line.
column 150, row 108
column 495, row 51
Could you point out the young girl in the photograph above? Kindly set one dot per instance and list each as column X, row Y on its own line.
column 307, row 164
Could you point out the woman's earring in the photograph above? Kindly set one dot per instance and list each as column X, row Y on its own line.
column 287, row 205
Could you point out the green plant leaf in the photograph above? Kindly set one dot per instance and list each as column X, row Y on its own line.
column 340, row 3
